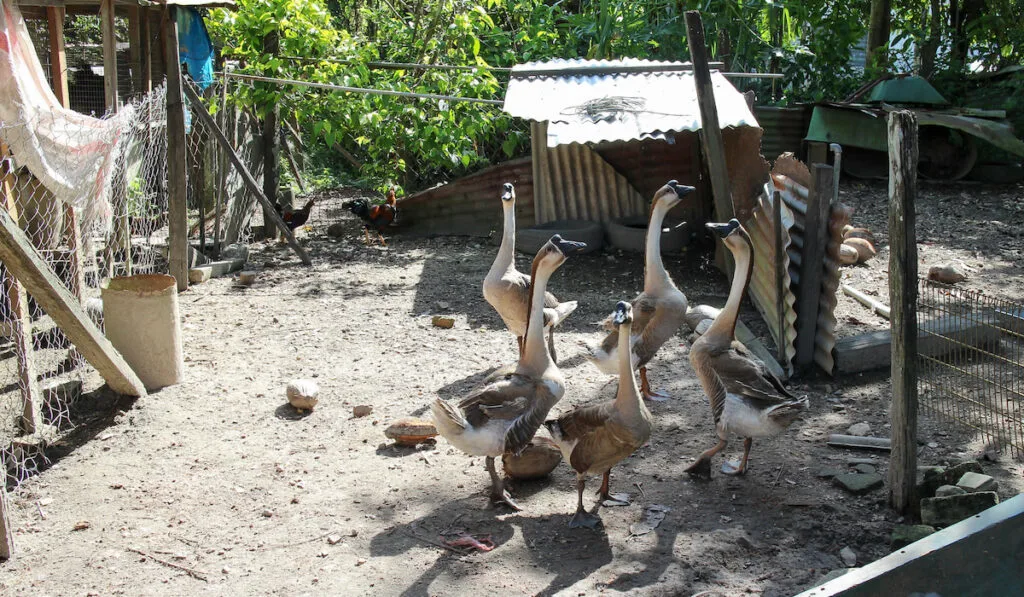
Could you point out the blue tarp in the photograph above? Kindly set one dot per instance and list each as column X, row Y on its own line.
column 194, row 46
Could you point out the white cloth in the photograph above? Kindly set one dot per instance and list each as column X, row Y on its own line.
column 73, row 155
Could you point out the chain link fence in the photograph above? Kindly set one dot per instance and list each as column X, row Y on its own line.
column 976, row 377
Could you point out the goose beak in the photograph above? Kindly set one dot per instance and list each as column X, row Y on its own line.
column 567, row 246
column 723, row 230
column 623, row 313
column 681, row 190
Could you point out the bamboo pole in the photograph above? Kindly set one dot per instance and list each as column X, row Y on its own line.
column 903, row 153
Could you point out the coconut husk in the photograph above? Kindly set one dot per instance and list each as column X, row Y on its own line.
column 536, row 462
column 411, row 431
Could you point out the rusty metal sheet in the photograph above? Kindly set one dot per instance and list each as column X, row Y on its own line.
column 778, row 312
column 581, row 185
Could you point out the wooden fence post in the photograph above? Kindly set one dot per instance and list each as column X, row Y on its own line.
column 903, row 301
column 6, row 532
column 812, row 266
column 177, row 178
column 271, row 153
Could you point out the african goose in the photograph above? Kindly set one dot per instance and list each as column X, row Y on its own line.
column 746, row 399
column 504, row 415
column 660, row 308
column 596, row 437
column 507, row 289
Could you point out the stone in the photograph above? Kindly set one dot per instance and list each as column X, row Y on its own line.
column 972, row 482
column 948, row 490
column 333, row 539
column 362, row 410
column 944, row 511
column 336, row 230
column 858, row 483
column 302, row 393
column 268, row 513
column 930, row 478
column 859, row 429
column 440, row 321
column 953, row 473
column 247, row 277
column 867, row 469
column 828, row 473
column 946, row 273
column 832, row 576
column 848, row 556
column 198, row 275
column 905, row 534
column 703, row 326
column 235, row 251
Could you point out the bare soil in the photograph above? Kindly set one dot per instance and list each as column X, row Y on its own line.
column 228, row 491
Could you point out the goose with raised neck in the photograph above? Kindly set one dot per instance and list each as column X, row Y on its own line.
column 503, row 416
column 660, row 308
column 746, row 399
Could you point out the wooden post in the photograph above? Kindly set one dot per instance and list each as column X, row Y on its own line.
column 813, row 262
column 271, row 153
column 109, row 54
column 135, row 47
column 58, row 57
column 903, row 300
column 177, row 143
column 6, row 531
column 17, row 308
column 780, row 275
column 537, row 147
column 25, row 263
column 222, row 173
column 146, row 50
column 710, row 131
column 199, row 111
column 59, row 75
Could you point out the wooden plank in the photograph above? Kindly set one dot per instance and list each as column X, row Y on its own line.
column 177, row 144
column 219, row 269
column 6, row 530
column 812, row 261
column 199, row 111
column 854, row 441
column 536, row 153
column 109, row 55
column 17, row 307
column 903, row 298
column 146, row 52
column 935, row 338
column 28, row 266
column 875, row 306
column 710, row 130
column 135, row 47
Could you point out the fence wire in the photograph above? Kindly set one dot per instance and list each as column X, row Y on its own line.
column 971, row 363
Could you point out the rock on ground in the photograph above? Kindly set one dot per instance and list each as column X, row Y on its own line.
column 944, row 511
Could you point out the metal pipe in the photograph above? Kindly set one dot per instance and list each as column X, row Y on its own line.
column 331, row 87
column 837, row 151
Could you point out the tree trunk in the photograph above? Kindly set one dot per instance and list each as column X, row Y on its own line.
column 878, row 34
column 930, row 46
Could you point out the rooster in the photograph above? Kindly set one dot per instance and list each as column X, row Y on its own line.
column 295, row 218
column 377, row 217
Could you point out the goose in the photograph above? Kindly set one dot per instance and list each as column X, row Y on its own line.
column 596, row 437
column 507, row 289
column 502, row 416
column 746, row 399
column 659, row 309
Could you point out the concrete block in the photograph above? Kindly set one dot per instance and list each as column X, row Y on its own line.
column 948, row 490
column 972, row 482
column 944, row 511
column 198, row 275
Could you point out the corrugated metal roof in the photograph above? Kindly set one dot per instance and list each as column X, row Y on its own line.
column 622, row 100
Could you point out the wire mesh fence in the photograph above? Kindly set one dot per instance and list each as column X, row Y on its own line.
column 972, row 374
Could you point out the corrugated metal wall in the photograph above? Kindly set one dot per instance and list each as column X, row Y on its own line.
column 580, row 185
column 470, row 205
column 784, row 129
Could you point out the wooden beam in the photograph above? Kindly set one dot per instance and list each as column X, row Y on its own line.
column 199, row 111
column 135, row 47
column 856, row 441
column 177, row 145
column 271, row 150
column 710, row 130
column 21, row 259
column 109, row 54
column 903, row 155
column 58, row 56
column 146, row 52
column 17, row 308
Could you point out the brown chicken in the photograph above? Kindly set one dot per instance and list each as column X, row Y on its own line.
column 377, row 217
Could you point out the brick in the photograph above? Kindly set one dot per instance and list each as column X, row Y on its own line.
column 905, row 534
column 858, row 483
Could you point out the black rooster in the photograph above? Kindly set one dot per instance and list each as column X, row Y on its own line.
column 377, row 217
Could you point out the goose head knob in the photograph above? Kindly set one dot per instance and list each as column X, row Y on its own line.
column 730, row 232
column 508, row 193
column 623, row 313
column 672, row 193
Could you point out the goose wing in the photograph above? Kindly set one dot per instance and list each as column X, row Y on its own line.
column 660, row 325
column 505, row 398
column 526, row 423
column 644, row 308
column 743, row 374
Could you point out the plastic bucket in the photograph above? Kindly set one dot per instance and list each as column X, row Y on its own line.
column 140, row 317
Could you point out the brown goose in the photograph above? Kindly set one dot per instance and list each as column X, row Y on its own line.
column 746, row 399
column 508, row 290
column 596, row 437
column 660, row 308
column 504, row 415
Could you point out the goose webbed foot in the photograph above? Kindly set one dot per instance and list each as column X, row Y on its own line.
column 729, row 468
column 645, row 388
column 702, row 468
column 503, row 498
column 498, row 493
column 582, row 518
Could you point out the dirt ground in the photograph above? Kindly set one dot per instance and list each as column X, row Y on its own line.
column 228, row 491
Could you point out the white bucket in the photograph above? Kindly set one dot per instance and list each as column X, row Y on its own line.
column 140, row 317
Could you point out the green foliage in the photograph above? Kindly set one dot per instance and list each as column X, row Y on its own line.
column 418, row 142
